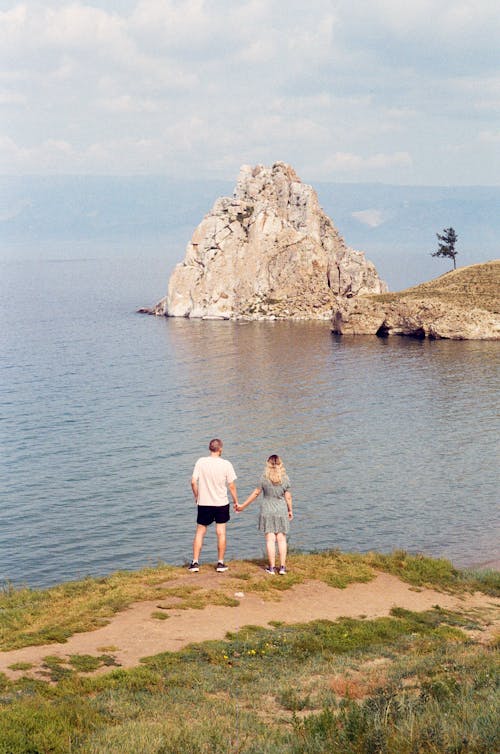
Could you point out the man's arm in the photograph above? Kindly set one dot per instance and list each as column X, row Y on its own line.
column 194, row 487
column 232, row 489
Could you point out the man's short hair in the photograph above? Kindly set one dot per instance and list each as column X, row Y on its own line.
column 215, row 445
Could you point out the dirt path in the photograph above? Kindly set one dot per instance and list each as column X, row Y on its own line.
column 134, row 633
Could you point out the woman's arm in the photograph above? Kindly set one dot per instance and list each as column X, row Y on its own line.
column 288, row 500
column 255, row 494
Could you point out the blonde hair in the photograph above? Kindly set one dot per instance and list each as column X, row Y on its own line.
column 275, row 470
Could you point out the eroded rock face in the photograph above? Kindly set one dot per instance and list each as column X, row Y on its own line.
column 416, row 318
column 268, row 252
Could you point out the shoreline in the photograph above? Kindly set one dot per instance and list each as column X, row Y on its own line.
column 476, row 565
column 493, row 565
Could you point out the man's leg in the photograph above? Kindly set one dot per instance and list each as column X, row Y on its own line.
column 220, row 530
column 271, row 548
column 198, row 541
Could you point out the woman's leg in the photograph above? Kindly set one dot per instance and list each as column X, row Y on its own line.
column 282, row 547
column 271, row 548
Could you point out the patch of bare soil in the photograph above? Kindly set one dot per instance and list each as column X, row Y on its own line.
column 135, row 633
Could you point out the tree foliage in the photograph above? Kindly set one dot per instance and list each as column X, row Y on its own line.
column 446, row 245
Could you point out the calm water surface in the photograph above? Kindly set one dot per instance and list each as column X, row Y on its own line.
column 389, row 443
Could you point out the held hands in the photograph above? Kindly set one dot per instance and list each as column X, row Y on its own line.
column 241, row 506
column 238, row 507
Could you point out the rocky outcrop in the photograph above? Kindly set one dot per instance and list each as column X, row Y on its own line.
column 463, row 304
column 269, row 252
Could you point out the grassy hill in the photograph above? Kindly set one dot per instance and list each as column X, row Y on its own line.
column 407, row 683
column 476, row 286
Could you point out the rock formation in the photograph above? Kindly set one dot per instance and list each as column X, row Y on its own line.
column 269, row 252
column 463, row 304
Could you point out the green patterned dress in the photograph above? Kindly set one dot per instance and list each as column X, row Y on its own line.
column 273, row 517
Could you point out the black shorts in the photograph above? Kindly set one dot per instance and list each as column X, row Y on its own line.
column 207, row 514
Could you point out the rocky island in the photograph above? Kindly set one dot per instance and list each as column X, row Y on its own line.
column 463, row 304
column 267, row 252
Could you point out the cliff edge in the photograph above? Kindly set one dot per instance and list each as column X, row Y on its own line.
column 268, row 252
column 463, row 304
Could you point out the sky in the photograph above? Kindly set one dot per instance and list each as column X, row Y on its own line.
column 344, row 90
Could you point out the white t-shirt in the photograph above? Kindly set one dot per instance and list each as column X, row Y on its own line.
column 213, row 474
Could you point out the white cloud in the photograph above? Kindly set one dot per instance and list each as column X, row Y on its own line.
column 487, row 105
column 16, row 209
column 12, row 98
column 371, row 90
column 348, row 162
column 371, row 217
column 11, row 152
column 47, row 155
column 429, row 29
column 258, row 51
column 84, row 27
column 126, row 103
column 490, row 137
column 12, row 20
column 179, row 21
column 65, row 70
column 58, row 146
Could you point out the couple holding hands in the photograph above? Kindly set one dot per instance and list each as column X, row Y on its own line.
column 212, row 477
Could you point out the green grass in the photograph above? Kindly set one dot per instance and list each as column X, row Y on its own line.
column 56, row 668
column 436, row 573
column 88, row 663
column 30, row 617
column 409, row 683
column 21, row 666
column 43, row 616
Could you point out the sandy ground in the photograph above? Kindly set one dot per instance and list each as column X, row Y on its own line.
column 134, row 633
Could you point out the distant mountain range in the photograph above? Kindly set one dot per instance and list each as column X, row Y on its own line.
column 394, row 225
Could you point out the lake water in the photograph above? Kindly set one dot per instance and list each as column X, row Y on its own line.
column 389, row 443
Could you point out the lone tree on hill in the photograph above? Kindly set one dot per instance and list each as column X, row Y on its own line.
column 446, row 246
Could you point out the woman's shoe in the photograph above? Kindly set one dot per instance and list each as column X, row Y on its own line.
column 282, row 571
column 271, row 570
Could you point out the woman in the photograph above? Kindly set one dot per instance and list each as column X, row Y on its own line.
column 275, row 511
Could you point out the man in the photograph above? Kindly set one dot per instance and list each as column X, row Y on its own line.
column 212, row 477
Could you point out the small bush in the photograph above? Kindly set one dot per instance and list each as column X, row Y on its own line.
column 290, row 699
